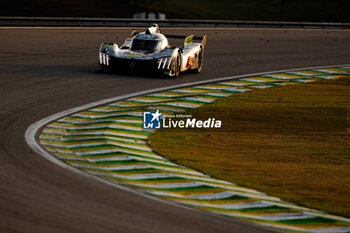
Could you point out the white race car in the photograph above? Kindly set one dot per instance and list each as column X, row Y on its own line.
column 150, row 51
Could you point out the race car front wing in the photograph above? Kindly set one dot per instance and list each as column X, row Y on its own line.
column 161, row 65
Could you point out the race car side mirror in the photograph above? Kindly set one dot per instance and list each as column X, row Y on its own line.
column 134, row 33
column 188, row 39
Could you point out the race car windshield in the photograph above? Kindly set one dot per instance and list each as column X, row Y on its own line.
column 146, row 45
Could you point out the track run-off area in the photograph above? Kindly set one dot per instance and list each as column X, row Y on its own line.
column 45, row 71
column 109, row 142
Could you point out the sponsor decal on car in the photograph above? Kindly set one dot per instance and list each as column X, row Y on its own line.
column 135, row 55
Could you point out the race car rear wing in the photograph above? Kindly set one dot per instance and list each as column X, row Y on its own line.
column 189, row 39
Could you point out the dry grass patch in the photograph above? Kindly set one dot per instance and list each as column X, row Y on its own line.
column 290, row 141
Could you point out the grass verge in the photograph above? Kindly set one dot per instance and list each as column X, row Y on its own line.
column 289, row 141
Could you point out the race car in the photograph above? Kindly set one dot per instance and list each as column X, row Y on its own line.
column 150, row 51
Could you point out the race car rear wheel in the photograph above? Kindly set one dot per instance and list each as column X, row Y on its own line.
column 177, row 65
column 200, row 61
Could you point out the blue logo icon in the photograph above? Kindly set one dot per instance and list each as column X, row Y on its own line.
column 151, row 120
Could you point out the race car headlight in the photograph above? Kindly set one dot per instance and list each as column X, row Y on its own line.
column 164, row 63
column 104, row 59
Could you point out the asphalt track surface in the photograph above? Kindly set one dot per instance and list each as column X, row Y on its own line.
column 45, row 71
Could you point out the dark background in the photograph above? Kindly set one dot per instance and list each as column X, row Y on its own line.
column 270, row 10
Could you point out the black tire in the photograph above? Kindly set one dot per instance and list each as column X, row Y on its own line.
column 200, row 61
column 177, row 66
column 100, row 68
column 103, row 69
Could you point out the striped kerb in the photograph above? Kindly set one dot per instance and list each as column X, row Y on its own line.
column 109, row 142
